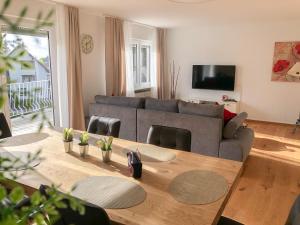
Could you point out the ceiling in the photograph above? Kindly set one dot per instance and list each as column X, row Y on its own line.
column 165, row 13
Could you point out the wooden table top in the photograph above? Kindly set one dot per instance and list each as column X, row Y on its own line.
column 159, row 208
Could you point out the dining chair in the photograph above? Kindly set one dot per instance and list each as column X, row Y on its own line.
column 294, row 216
column 104, row 126
column 170, row 137
column 93, row 215
column 4, row 128
column 226, row 221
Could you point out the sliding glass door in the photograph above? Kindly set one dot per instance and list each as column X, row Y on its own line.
column 29, row 83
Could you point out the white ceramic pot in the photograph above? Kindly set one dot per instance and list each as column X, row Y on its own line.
column 84, row 150
column 68, row 146
column 106, row 156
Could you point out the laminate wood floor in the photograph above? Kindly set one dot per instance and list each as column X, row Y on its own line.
column 271, row 179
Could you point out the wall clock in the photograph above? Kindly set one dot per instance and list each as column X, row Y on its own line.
column 86, row 43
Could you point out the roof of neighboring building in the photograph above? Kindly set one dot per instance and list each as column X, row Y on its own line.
column 35, row 59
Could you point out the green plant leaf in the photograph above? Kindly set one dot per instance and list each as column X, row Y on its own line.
column 6, row 4
column 36, row 198
column 39, row 219
column 61, row 205
column 17, row 194
column 23, row 12
column 3, row 193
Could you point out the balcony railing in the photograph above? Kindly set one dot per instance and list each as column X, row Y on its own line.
column 29, row 97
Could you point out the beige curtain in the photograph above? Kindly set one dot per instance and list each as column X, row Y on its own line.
column 74, row 71
column 162, row 74
column 115, row 57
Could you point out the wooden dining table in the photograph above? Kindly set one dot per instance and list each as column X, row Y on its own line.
column 159, row 207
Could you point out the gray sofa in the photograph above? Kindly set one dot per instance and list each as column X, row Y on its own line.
column 205, row 122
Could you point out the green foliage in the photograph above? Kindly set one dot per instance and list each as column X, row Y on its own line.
column 39, row 206
column 68, row 134
column 105, row 143
column 84, row 138
column 40, row 210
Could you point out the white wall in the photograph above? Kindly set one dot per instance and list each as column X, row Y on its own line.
column 93, row 64
column 251, row 48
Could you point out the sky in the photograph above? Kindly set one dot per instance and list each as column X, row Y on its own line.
column 37, row 46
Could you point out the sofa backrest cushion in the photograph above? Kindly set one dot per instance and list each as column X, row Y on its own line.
column 130, row 102
column 161, row 105
column 233, row 125
column 209, row 110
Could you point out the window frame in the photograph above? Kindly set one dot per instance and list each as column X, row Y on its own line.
column 139, row 44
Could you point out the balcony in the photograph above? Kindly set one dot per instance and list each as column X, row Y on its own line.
column 26, row 99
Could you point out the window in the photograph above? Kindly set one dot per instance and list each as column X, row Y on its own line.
column 28, row 78
column 141, row 64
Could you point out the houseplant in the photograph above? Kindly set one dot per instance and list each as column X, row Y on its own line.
column 68, row 139
column 84, row 144
column 105, row 144
column 39, row 210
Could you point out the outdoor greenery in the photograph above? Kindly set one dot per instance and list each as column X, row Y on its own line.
column 105, row 143
column 68, row 134
column 39, row 209
column 84, row 138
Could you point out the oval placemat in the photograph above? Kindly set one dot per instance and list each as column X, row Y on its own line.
column 24, row 139
column 18, row 160
column 152, row 153
column 198, row 187
column 110, row 192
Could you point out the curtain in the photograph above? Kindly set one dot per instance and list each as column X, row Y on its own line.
column 154, row 89
column 115, row 57
column 128, row 59
column 61, row 64
column 74, row 71
column 162, row 78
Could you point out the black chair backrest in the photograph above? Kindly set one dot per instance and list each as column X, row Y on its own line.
column 94, row 215
column 170, row 137
column 104, row 126
column 4, row 128
column 294, row 216
column 227, row 221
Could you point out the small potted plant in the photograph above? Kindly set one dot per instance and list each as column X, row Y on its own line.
column 84, row 144
column 68, row 139
column 105, row 144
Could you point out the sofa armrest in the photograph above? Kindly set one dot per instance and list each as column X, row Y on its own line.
column 238, row 148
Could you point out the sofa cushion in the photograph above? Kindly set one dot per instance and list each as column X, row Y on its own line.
column 161, row 105
column 209, row 110
column 233, row 125
column 130, row 102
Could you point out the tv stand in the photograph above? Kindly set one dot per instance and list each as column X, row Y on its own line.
column 232, row 105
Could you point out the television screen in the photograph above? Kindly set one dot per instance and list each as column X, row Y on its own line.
column 214, row 77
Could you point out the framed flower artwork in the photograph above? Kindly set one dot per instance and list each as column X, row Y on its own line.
column 286, row 62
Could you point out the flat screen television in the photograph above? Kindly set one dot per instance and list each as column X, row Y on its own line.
column 214, row 77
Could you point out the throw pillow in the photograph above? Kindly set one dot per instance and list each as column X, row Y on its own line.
column 228, row 116
column 233, row 125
